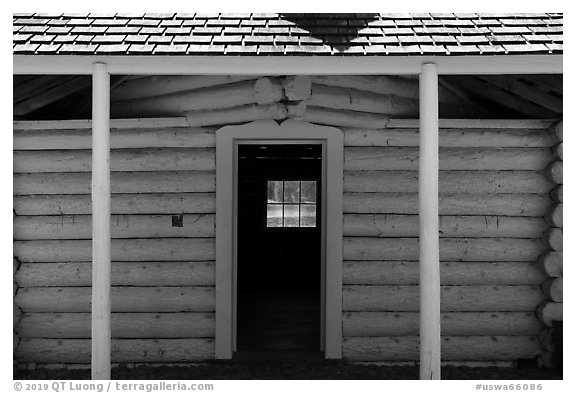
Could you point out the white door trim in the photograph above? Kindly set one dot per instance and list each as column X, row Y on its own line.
column 226, row 173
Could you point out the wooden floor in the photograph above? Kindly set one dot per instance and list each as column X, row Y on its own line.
column 279, row 322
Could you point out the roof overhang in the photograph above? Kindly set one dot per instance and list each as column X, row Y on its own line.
column 288, row 65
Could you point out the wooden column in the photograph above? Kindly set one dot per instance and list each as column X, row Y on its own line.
column 101, row 336
column 429, row 241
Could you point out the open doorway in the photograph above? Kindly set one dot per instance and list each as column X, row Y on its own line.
column 328, row 215
column 279, row 249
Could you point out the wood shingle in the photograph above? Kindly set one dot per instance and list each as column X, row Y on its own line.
column 288, row 34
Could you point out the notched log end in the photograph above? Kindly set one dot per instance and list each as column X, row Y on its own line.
column 268, row 90
column 551, row 263
column 559, row 150
column 297, row 88
column 549, row 312
column 558, row 131
column 554, row 172
column 554, row 215
column 276, row 112
column 296, row 111
column 553, row 289
column 557, row 194
column 553, row 237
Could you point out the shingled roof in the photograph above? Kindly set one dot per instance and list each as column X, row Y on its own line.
column 274, row 34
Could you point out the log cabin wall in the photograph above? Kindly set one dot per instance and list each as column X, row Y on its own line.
column 494, row 196
column 163, row 206
column 550, row 312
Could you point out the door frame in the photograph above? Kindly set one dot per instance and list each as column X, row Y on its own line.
column 269, row 131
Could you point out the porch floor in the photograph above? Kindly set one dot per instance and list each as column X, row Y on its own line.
column 309, row 370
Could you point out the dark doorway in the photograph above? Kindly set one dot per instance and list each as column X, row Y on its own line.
column 279, row 249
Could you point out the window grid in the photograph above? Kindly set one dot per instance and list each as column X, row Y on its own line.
column 290, row 203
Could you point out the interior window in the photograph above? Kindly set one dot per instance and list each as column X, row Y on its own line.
column 291, row 203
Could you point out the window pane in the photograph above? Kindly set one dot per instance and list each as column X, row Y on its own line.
column 308, row 192
column 308, row 216
column 275, row 191
column 274, row 216
column 291, row 192
column 291, row 215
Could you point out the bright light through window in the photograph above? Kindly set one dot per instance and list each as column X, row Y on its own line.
column 291, row 203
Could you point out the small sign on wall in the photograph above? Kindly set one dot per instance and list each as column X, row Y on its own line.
column 178, row 220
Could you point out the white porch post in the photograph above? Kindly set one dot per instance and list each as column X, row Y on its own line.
column 429, row 240
column 101, row 335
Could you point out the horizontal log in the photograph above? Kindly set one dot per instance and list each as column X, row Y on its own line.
column 390, row 225
column 44, row 350
column 355, row 119
column 451, row 159
column 344, row 118
column 236, row 115
column 362, row 101
column 551, row 263
column 451, row 273
column 261, row 91
column 124, row 299
column 534, row 124
column 354, row 272
column 121, row 182
column 124, row 325
column 453, row 298
column 527, row 205
column 472, row 138
column 451, row 249
column 164, row 159
column 374, row 324
column 169, row 249
column 141, row 274
column 549, row 312
column 553, row 289
column 384, row 84
column 181, row 203
column 121, row 226
column 481, row 182
column 64, row 139
column 157, row 122
column 470, row 348
column 554, row 172
column 467, row 123
column 381, row 84
column 554, row 215
column 557, row 194
column 166, row 84
column 553, row 237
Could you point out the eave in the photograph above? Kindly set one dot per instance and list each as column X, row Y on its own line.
column 288, row 65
